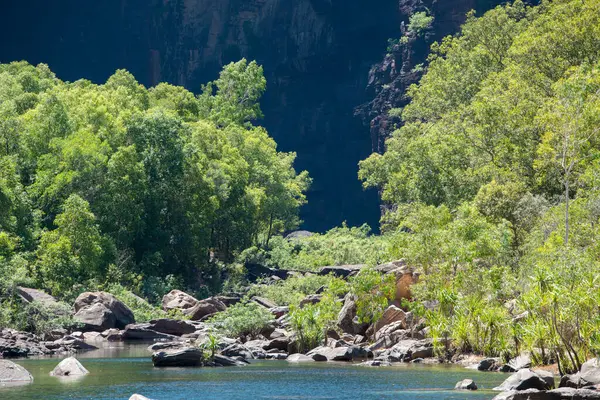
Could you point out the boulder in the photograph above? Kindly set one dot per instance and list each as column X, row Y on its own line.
column 187, row 357
column 342, row 271
column 92, row 336
column 276, row 356
column 279, row 311
column 375, row 363
column 223, row 361
column 13, row 373
column 466, row 384
column 95, row 318
column 136, row 396
column 263, row 302
column 588, row 375
column 165, row 345
column 170, row 326
column 280, row 343
column 205, row 308
column 30, row 295
column 178, row 300
column 528, row 379
column 295, row 358
column 556, row 394
column 99, row 311
column 310, row 299
column 347, row 314
column 73, row 344
column 350, row 353
column 239, row 350
column 69, row 367
column 520, row 362
column 488, row 364
column 391, row 315
column 408, row 350
column 144, row 332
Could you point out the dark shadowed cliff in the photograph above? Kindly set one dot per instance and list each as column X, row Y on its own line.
column 318, row 57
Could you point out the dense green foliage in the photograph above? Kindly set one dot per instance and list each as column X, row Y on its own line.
column 338, row 246
column 120, row 184
column 492, row 178
column 247, row 319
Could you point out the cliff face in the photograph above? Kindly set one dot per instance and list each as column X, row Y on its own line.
column 317, row 55
column 390, row 78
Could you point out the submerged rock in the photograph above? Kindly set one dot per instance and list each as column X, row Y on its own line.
column 466, row 384
column 69, row 367
column 13, row 373
column 556, row 394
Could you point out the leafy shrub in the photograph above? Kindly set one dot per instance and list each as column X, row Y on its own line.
column 373, row 291
column 312, row 321
column 142, row 310
column 339, row 246
column 242, row 319
column 291, row 290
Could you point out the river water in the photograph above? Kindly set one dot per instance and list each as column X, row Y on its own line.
column 117, row 373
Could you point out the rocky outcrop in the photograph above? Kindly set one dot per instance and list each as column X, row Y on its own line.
column 391, row 315
column 99, row 311
column 178, row 300
column 13, row 373
column 169, row 326
column 16, row 344
column 528, row 379
column 69, row 367
column 350, row 353
column 204, row 308
column 408, row 350
column 30, row 295
column 342, row 271
column 347, row 320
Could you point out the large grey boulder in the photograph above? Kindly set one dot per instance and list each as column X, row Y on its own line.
column 187, row 357
column 30, row 295
column 136, row 396
column 528, row 379
column 69, row 367
column 205, row 308
column 408, row 350
column 99, row 311
column 351, row 353
column 587, row 376
column 347, row 319
column 13, row 373
column 178, row 300
column 520, row 362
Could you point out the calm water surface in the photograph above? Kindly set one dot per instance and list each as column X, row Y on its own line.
column 118, row 373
